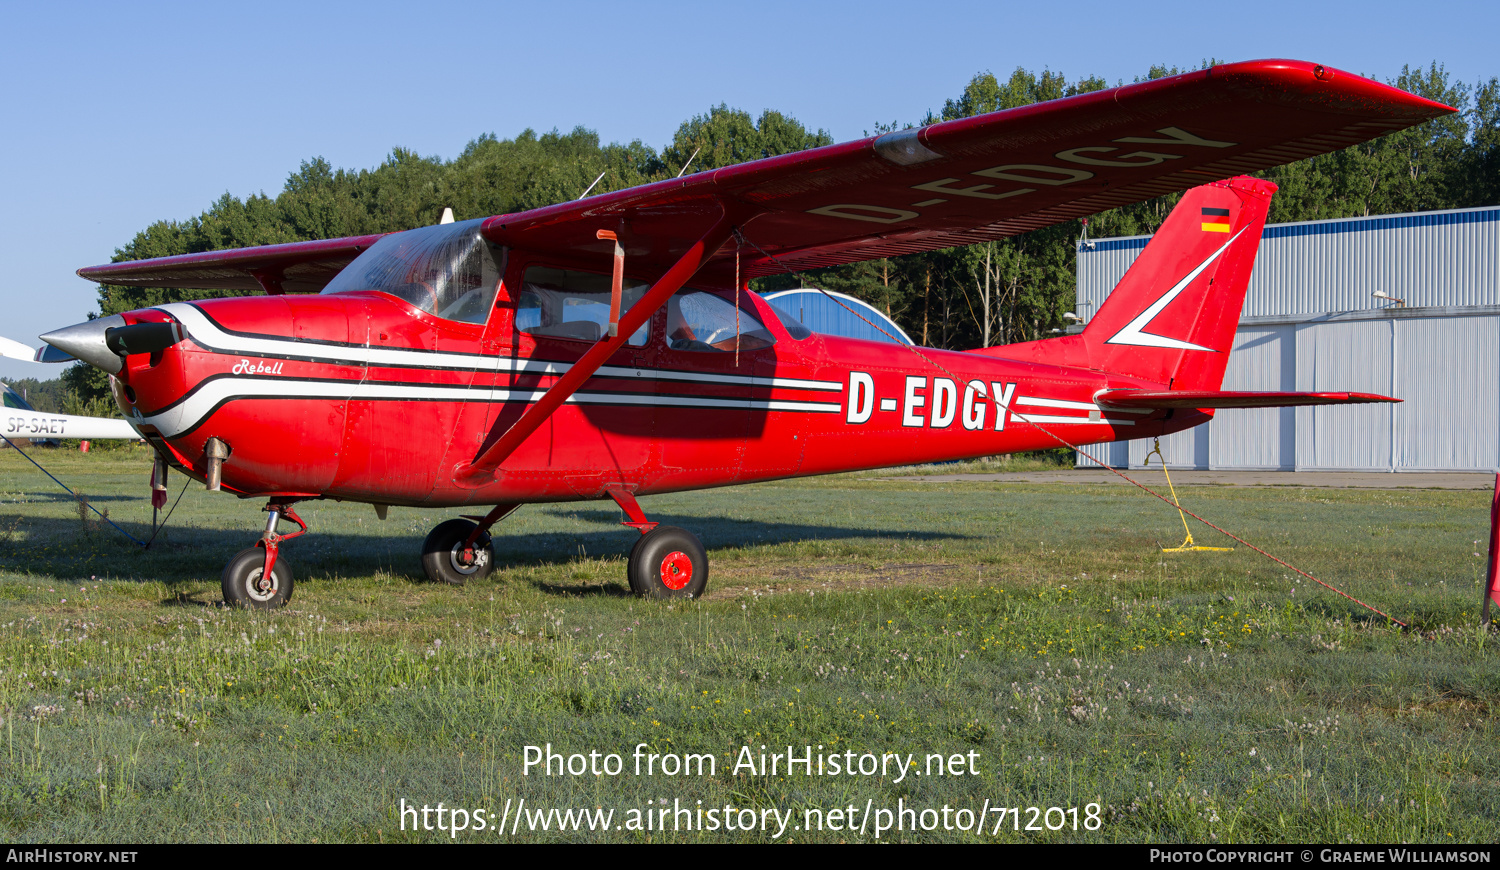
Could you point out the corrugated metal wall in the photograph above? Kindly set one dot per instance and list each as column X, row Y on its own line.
column 1345, row 356
column 1448, row 371
column 1263, row 359
column 1311, row 322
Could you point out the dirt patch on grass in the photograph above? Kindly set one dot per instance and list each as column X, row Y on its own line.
column 1449, row 702
column 734, row 582
column 903, row 572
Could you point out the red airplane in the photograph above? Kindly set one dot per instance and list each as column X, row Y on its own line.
column 610, row 347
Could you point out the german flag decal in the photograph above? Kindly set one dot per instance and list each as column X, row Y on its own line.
column 1216, row 220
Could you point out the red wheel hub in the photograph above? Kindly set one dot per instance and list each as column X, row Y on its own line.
column 676, row 570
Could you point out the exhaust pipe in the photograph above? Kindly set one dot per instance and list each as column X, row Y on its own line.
column 216, row 451
column 158, row 472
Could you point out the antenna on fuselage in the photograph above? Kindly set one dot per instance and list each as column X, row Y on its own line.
column 591, row 186
column 690, row 161
column 447, row 217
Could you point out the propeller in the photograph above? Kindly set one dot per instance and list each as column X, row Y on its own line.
column 13, row 349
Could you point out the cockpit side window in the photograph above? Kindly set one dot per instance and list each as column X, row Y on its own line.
column 448, row 270
column 707, row 322
column 561, row 303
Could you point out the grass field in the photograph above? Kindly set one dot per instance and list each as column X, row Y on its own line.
column 1035, row 633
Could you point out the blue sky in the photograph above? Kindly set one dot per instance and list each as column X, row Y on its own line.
column 118, row 115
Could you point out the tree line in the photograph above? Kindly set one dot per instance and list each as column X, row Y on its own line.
column 1003, row 291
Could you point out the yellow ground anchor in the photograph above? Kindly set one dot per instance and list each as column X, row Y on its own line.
column 1187, row 546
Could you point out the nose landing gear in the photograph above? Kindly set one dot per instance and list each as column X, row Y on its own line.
column 256, row 578
column 246, row 583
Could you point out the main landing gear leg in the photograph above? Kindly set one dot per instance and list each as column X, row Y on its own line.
column 460, row 550
column 667, row 562
column 256, row 577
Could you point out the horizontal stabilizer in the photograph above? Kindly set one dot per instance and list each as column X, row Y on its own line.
column 1165, row 399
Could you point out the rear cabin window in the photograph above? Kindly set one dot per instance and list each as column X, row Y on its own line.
column 561, row 303
column 702, row 321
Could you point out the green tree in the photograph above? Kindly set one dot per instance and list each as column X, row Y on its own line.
column 985, row 93
column 1478, row 176
column 45, row 396
column 725, row 136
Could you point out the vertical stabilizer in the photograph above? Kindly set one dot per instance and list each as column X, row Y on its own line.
column 1172, row 318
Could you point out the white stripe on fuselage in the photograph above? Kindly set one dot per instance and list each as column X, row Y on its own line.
column 192, row 410
column 1043, row 418
column 206, row 332
column 1039, row 402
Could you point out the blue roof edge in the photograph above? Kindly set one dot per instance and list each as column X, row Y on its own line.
column 1447, row 217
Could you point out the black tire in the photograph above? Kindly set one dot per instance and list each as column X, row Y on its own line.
column 241, row 581
column 440, row 557
column 630, row 562
column 668, row 562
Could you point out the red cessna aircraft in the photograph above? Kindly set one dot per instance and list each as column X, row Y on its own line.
column 610, row 348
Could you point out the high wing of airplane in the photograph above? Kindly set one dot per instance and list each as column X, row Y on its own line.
column 610, row 348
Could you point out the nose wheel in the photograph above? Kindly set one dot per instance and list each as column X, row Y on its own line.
column 256, row 578
column 246, row 583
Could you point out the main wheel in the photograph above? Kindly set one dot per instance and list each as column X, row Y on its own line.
column 668, row 562
column 630, row 565
column 444, row 559
column 245, row 584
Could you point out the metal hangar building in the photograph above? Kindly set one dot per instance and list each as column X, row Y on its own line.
column 1402, row 305
column 834, row 313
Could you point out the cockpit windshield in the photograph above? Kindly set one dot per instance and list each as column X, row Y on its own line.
column 14, row 400
column 448, row 270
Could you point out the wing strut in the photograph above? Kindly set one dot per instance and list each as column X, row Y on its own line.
column 482, row 469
